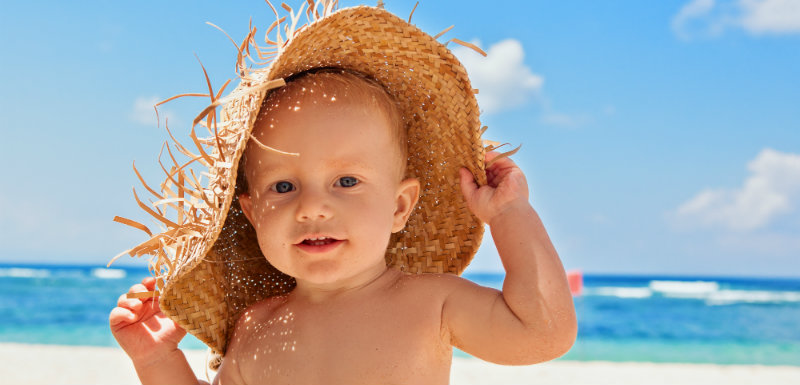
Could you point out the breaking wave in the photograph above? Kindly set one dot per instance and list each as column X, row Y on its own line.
column 711, row 292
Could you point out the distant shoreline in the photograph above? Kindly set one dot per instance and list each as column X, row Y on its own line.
column 141, row 265
column 67, row 365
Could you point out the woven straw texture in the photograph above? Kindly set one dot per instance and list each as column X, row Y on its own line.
column 207, row 261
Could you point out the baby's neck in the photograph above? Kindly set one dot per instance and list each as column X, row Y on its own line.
column 318, row 293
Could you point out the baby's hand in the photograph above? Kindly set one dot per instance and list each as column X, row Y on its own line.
column 506, row 189
column 141, row 329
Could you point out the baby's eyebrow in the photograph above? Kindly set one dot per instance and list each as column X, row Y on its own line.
column 347, row 164
column 330, row 164
column 266, row 170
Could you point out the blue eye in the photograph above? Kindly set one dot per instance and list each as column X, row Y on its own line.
column 347, row 181
column 282, row 187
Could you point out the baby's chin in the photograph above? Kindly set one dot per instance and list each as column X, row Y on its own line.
column 337, row 274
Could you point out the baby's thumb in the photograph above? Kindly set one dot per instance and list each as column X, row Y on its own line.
column 468, row 185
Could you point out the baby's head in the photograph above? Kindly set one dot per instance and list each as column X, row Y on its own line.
column 325, row 213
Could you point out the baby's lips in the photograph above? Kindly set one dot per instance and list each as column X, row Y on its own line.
column 319, row 245
column 316, row 236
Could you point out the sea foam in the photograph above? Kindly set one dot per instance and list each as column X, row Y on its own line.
column 711, row 292
column 104, row 273
column 23, row 272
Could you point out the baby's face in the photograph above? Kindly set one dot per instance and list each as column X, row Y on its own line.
column 325, row 216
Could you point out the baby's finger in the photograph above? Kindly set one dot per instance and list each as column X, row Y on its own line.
column 490, row 155
column 132, row 304
column 137, row 288
column 500, row 161
column 145, row 290
column 149, row 283
column 493, row 158
column 121, row 315
column 123, row 301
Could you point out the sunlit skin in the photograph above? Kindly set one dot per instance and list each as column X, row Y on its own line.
column 344, row 185
column 352, row 320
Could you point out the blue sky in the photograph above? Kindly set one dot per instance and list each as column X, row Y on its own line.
column 657, row 137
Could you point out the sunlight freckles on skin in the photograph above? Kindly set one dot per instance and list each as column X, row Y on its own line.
column 270, row 337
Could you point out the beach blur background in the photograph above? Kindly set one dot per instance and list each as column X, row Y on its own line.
column 661, row 141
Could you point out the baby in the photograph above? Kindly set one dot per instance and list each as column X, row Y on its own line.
column 324, row 208
column 325, row 218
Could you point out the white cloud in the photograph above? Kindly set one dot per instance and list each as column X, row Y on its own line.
column 770, row 191
column 708, row 18
column 771, row 16
column 144, row 113
column 502, row 77
column 689, row 13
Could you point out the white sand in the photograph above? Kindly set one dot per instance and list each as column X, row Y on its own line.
column 66, row 365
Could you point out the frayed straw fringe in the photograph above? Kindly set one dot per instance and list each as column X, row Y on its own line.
column 198, row 207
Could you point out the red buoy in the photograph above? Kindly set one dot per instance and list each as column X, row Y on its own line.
column 575, row 281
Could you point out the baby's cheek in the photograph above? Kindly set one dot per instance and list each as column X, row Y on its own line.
column 377, row 227
column 265, row 209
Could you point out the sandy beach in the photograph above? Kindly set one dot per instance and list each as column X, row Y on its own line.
column 67, row 365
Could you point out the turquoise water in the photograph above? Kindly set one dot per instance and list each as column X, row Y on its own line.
column 652, row 319
column 64, row 305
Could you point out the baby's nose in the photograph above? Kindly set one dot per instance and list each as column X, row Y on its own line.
column 312, row 205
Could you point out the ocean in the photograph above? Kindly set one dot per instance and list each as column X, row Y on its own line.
column 621, row 318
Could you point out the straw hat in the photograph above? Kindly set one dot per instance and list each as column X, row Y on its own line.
column 206, row 259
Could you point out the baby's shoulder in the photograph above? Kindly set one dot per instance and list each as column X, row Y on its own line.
column 257, row 312
column 432, row 285
column 240, row 342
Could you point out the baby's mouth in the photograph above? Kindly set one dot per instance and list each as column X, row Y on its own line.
column 322, row 244
column 319, row 241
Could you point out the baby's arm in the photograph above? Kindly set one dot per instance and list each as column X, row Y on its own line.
column 150, row 339
column 533, row 318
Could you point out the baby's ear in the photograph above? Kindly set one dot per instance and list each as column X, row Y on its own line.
column 247, row 206
column 407, row 196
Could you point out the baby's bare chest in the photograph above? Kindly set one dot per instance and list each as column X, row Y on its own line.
column 375, row 344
